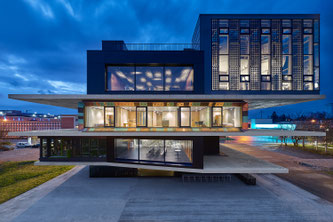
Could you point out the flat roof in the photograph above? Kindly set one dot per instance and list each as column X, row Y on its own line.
column 231, row 162
column 250, row 132
column 255, row 101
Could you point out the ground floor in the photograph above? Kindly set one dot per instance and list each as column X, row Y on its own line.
column 76, row 197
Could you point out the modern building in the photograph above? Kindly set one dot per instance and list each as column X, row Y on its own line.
column 164, row 106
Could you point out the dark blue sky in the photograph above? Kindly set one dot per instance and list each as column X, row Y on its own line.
column 43, row 43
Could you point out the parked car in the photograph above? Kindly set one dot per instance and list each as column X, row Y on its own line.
column 22, row 145
column 35, row 145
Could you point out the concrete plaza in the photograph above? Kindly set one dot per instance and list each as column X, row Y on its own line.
column 81, row 198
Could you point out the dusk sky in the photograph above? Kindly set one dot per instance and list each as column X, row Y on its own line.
column 43, row 43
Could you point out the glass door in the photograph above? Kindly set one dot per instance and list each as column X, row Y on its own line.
column 217, row 116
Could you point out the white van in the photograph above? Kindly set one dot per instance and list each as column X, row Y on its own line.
column 22, row 145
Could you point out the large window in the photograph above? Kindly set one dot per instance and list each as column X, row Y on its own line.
column 185, row 116
column 94, row 116
column 155, row 151
column 200, row 116
column 109, row 116
column 126, row 116
column 231, row 116
column 120, row 78
column 150, row 78
column 162, row 116
column 141, row 116
column 217, row 117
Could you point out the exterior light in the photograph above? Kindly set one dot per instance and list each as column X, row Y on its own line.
column 313, row 121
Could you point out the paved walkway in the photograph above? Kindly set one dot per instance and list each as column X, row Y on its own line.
column 81, row 198
column 24, row 154
column 308, row 178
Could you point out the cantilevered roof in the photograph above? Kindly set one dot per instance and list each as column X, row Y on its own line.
column 251, row 132
column 256, row 101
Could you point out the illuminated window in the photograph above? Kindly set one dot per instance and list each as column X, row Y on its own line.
column 185, row 117
column 162, row 116
column 265, row 64
column 109, row 116
column 217, row 117
column 149, row 78
column 307, row 44
column 141, row 116
column 125, row 116
column 244, row 65
column 179, row 78
column 224, row 65
column 94, row 116
column 308, row 65
column 286, row 86
column 224, row 44
column 286, row 65
column 200, row 116
column 120, row 78
column 265, row 44
column 231, row 117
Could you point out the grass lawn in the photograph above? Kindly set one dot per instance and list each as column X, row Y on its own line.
column 19, row 177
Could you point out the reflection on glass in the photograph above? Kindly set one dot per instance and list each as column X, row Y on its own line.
column 151, row 150
column 316, row 77
column 307, row 44
column 265, row 64
column 231, row 116
column 44, row 147
column 245, row 86
column 162, row 116
column 316, row 54
column 109, row 116
column 141, row 116
column 244, row 45
column 178, row 151
column 224, row 44
column 223, row 65
column 179, row 78
column 307, row 23
column 94, row 116
column 200, row 116
column 217, row 116
column 316, row 30
column 149, row 78
column 286, row 44
column 244, row 64
column 126, row 116
column 223, row 86
column 185, row 116
column 265, row 86
column 308, row 78
column 265, row 44
column 286, row 86
column 120, row 78
column 126, row 149
column 308, row 86
column 286, row 65
column 265, row 23
column 286, row 23
column 308, row 65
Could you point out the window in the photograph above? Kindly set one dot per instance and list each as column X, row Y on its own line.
column 265, row 31
column 185, row 117
column 120, row 78
column 265, row 64
column 231, row 117
column 244, row 65
column 286, row 23
column 141, row 116
column 307, row 30
column 316, row 54
column 286, row 31
column 307, row 23
column 223, row 30
column 126, row 149
column 224, row 44
column 245, row 86
column 224, row 86
column 244, row 31
column 286, row 86
column 307, row 44
column 200, row 116
column 224, row 65
column 265, row 44
column 149, row 78
column 217, row 117
column 245, row 23
column 224, row 78
column 94, row 116
column 109, row 116
column 308, row 65
column 265, row 86
column 162, row 116
column 286, row 65
column 125, row 116
column 152, row 150
column 179, row 151
column 265, row 23
column 179, row 78
column 245, row 78
column 286, row 44
column 244, row 44
column 308, row 86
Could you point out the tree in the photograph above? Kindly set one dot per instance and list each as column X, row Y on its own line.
column 274, row 117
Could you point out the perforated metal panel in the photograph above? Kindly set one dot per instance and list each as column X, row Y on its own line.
column 215, row 55
column 276, row 54
column 297, row 48
column 255, row 55
column 234, row 55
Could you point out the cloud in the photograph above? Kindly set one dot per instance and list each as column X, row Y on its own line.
column 42, row 7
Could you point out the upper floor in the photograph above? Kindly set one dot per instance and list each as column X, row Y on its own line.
column 229, row 54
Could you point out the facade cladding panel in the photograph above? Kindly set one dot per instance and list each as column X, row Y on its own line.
column 270, row 68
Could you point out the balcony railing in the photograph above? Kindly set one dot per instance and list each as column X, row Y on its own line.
column 120, row 45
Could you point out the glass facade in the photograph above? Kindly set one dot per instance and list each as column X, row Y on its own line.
column 155, row 115
column 155, row 151
column 150, row 78
column 275, row 54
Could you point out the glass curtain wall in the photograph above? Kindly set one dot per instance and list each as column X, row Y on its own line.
column 94, row 116
column 286, row 55
column 162, row 116
column 155, row 151
column 231, row 116
column 200, row 116
column 308, row 55
column 109, row 116
column 125, row 116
